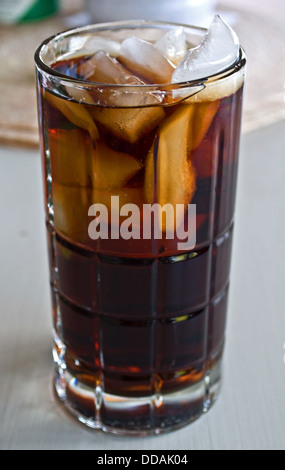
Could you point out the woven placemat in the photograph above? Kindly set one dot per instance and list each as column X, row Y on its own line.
column 18, row 110
column 264, row 96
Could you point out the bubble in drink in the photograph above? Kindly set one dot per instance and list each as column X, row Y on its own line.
column 218, row 50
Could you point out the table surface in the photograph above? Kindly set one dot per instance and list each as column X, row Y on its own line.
column 250, row 413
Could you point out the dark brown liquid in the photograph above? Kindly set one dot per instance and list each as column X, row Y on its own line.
column 139, row 317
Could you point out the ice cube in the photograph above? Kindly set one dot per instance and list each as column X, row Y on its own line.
column 129, row 124
column 72, row 156
column 71, row 210
column 75, row 161
column 75, row 113
column 126, row 195
column 79, row 94
column 218, row 50
column 146, row 60
column 173, row 44
column 104, row 69
column 97, row 43
column 175, row 175
column 131, row 112
column 112, row 169
column 204, row 116
column 87, row 45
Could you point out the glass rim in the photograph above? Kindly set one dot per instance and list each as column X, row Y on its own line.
column 48, row 70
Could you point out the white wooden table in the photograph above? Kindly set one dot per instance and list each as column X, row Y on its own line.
column 250, row 413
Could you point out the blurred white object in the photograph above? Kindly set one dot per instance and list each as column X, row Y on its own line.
column 194, row 12
column 21, row 11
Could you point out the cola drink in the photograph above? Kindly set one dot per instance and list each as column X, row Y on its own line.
column 130, row 143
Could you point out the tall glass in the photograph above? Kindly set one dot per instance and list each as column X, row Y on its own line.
column 140, row 184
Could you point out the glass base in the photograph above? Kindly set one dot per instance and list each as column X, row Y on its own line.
column 135, row 416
